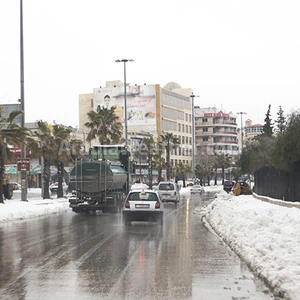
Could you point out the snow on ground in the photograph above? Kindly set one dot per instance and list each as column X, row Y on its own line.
column 15, row 209
column 266, row 236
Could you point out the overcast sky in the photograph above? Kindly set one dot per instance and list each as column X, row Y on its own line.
column 236, row 55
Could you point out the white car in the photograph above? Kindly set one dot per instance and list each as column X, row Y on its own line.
column 169, row 191
column 54, row 188
column 143, row 205
column 197, row 189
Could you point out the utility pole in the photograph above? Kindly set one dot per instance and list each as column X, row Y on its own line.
column 125, row 112
column 23, row 149
column 193, row 134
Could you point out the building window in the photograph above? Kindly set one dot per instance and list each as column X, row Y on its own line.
column 182, row 139
column 205, row 129
column 205, row 139
column 179, row 127
column 204, row 120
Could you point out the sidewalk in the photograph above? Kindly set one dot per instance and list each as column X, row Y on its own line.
column 15, row 209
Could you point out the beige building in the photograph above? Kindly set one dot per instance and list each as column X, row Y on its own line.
column 252, row 130
column 215, row 131
column 150, row 108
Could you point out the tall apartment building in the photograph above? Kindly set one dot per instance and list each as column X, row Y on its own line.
column 215, row 131
column 150, row 108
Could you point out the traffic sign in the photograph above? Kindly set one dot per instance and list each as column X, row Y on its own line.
column 23, row 164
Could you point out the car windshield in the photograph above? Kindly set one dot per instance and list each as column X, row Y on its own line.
column 166, row 186
column 144, row 196
column 196, row 187
column 228, row 183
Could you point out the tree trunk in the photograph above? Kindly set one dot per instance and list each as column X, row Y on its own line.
column 150, row 170
column 168, row 162
column 46, row 177
column 1, row 176
column 223, row 175
column 60, row 173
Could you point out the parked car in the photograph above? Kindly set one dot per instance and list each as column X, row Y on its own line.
column 143, row 205
column 169, row 191
column 228, row 185
column 15, row 185
column 54, row 188
column 197, row 189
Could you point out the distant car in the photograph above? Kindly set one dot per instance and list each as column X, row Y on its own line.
column 228, row 185
column 54, row 188
column 143, row 205
column 197, row 189
column 139, row 186
column 15, row 185
column 169, row 191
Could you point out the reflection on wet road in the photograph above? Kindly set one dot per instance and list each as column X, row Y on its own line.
column 70, row 256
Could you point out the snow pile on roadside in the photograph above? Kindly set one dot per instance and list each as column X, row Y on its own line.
column 265, row 235
column 15, row 209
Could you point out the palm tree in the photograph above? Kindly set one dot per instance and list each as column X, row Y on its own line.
column 104, row 124
column 67, row 151
column 147, row 147
column 222, row 160
column 11, row 134
column 170, row 142
column 182, row 170
column 41, row 145
column 53, row 144
column 158, row 164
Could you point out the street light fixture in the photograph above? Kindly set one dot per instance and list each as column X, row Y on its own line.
column 242, row 132
column 193, row 134
column 125, row 99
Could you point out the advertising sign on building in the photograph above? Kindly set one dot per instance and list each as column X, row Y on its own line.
column 141, row 104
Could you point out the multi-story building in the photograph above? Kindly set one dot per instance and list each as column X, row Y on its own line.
column 150, row 108
column 252, row 130
column 215, row 132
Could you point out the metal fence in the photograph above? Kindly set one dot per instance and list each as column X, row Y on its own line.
column 274, row 183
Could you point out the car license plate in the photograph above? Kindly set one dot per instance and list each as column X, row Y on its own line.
column 142, row 205
column 166, row 195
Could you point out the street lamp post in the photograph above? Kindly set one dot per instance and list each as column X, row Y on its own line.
column 125, row 99
column 125, row 112
column 242, row 132
column 22, row 99
column 193, row 134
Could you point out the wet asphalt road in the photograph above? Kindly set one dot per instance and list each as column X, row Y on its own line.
column 70, row 256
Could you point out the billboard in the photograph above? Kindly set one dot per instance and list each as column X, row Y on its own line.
column 141, row 105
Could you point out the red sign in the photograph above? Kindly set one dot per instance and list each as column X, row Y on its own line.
column 17, row 154
column 23, row 164
column 216, row 115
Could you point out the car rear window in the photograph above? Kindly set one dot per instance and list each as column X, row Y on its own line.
column 228, row 183
column 166, row 187
column 145, row 196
